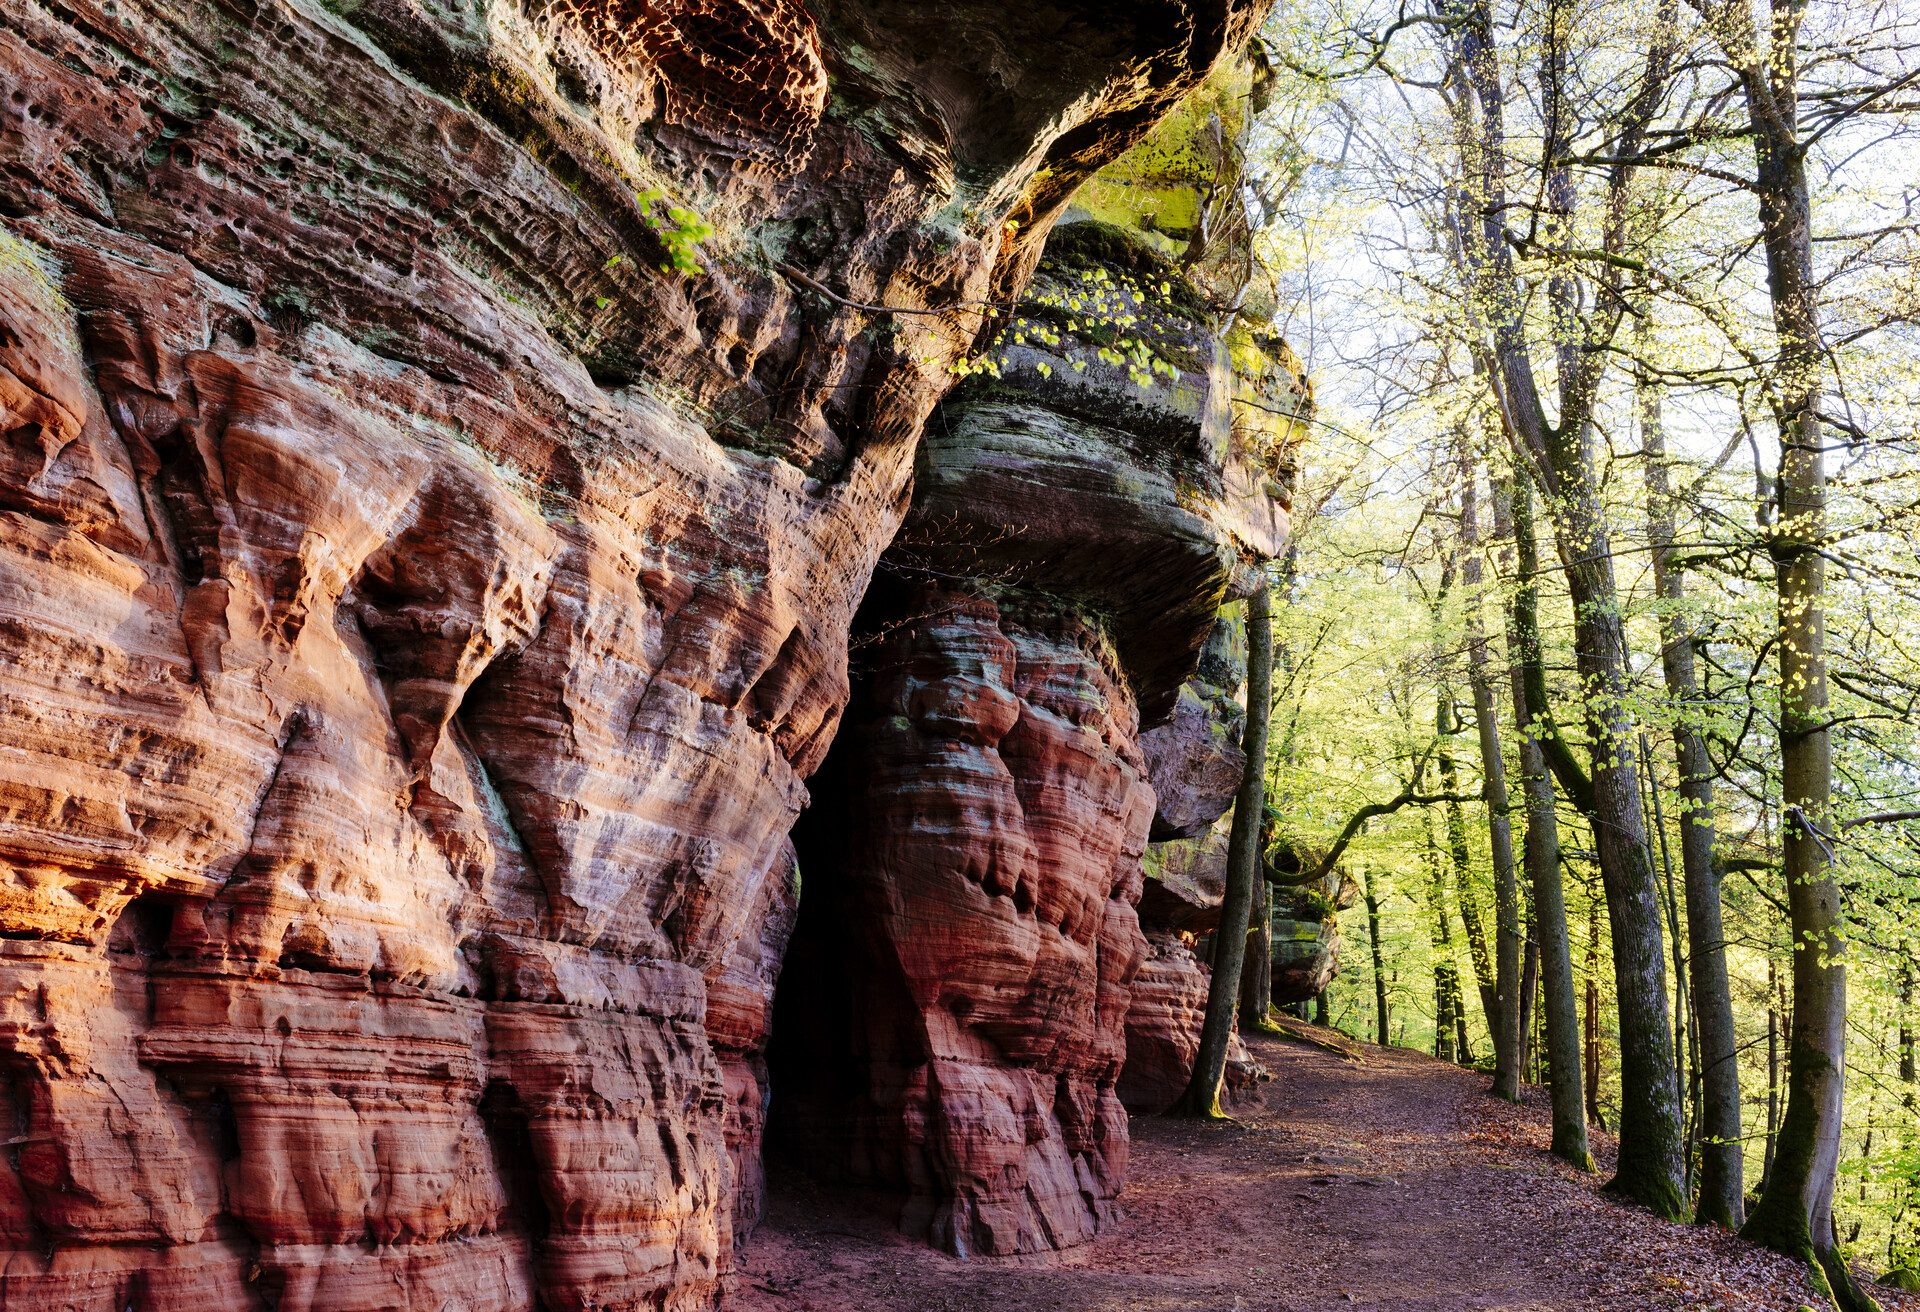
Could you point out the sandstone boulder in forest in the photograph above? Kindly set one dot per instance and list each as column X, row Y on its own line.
column 434, row 500
column 1306, row 936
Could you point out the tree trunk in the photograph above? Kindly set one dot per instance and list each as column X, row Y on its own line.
column 1721, row 1199
column 1256, row 975
column 1593, row 1016
column 1450, row 1009
column 1256, row 979
column 1380, row 1014
column 1202, row 1097
column 1440, row 941
column 1651, row 1167
column 1470, row 921
column 1795, row 1213
column 1532, row 1049
column 1906, row 1029
column 1506, row 1014
column 1529, row 994
column 1773, row 1072
column 1651, row 1163
column 1542, row 850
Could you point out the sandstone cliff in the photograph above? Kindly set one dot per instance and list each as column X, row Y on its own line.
column 955, row 1015
column 444, row 451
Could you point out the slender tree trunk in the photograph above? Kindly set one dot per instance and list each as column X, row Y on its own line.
column 1529, row 994
column 1380, row 1013
column 1446, row 979
column 1449, row 975
column 1906, row 1030
column 1682, row 1009
column 1721, row 1198
column 1506, row 1016
column 1256, row 975
column 1532, row 1059
column 1202, row 1097
column 1866, row 1155
column 1897, row 1252
column 1773, row 1072
column 1593, row 1016
column 1462, row 1042
column 1542, row 848
column 1504, row 1011
column 1470, row 921
column 1256, row 978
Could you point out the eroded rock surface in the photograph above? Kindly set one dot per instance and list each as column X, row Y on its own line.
column 954, row 1017
column 981, row 923
column 1164, row 1016
column 430, row 526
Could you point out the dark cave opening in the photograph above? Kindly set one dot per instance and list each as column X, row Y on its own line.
column 844, row 1043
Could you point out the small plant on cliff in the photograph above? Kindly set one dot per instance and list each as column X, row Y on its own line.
column 681, row 231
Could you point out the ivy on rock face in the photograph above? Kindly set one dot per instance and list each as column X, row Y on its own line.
column 1101, row 296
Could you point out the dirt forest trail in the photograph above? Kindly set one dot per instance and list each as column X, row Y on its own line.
column 1392, row 1182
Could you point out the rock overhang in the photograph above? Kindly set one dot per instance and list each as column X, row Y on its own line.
column 1095, row 454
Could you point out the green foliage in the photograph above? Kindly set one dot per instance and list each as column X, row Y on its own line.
column 1313, row 906
column 1380, row 646
column 1101, row 296
column 1100, row 249
column 680, row 230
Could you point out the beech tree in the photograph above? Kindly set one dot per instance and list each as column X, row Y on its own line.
column 1712, row 448
column 1794, row 1214
column 1514, row 504
column 1721, row 1196
column 1506, row 1017
column 1557, row 452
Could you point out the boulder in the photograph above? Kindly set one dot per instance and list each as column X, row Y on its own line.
column 1168, row 1005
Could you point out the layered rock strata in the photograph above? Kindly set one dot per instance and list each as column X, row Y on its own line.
column 1195, row 763
column 433, row 501
column 953, row 1023
column 1194, row 758
column 1305, row 928
column 980, row 922
column 1164, row 1016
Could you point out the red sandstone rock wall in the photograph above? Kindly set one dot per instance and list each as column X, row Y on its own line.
column 955, row 1013
column 996, row 807
column 1164, row 1016
column 419, row 610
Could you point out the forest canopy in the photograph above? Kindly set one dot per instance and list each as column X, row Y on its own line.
column 1606, row 544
